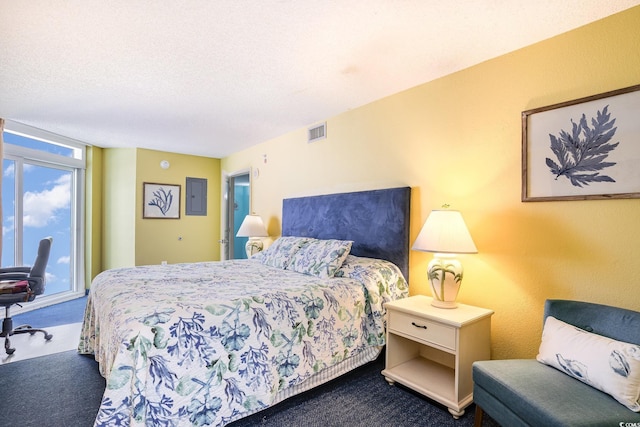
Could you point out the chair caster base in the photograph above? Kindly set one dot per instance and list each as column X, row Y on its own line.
column 24, row 329
column 7, row 347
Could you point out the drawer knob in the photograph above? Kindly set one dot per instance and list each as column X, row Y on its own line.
column 418, row 326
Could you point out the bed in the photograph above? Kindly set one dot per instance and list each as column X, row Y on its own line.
column 209, row 343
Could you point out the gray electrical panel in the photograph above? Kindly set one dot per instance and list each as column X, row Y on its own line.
column 196, row 198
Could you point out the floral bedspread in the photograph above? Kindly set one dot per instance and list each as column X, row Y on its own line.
column 208, row 343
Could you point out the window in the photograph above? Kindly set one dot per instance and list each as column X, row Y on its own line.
column 43, row 195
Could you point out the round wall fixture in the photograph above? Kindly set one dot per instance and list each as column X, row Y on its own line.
column 164, row 164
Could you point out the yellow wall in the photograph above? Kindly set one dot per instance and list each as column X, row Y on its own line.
column 190, row 238
column 127, row 238
column 457, row 140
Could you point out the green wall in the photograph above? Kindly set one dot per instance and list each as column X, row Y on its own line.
column 93, row 214
column 119, row 197
column 118, row 236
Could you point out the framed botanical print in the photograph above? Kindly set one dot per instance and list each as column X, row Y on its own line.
column 161, row 201
column 584, row 149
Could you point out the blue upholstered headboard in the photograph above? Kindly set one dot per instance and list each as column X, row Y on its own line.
column 377, row 221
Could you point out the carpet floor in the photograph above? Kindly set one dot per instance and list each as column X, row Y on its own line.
column 54, row 315
column 61, row 390
column 360, row 398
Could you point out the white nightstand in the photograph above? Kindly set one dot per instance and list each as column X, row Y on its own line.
column 431, row 350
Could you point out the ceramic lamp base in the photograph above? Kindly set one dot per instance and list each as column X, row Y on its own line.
column 445, row 277
column 253, row 246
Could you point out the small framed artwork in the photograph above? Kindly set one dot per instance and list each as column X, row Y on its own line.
column 584, row 149
column 161, row 201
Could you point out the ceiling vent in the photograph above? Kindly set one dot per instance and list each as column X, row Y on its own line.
column 317, row 132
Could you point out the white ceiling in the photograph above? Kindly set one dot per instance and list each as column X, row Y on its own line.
column 212, row 77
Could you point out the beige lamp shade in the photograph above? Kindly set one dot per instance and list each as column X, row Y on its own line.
column 252, row 226
column 445, row 232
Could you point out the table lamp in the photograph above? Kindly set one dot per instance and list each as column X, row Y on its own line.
column 253, row 228
column 445, row 234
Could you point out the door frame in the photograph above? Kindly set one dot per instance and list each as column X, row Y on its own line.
column 226, row 223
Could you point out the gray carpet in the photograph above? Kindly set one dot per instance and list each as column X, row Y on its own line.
column 360, row 398
column 65, row 389
column 61, row 390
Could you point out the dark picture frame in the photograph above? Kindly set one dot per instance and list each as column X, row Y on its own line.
column 160, row 201
column 584, row 149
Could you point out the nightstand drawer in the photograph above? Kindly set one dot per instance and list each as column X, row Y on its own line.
column 424, row 330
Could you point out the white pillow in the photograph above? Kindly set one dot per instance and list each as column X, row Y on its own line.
column 610, row 366
column 279, row 254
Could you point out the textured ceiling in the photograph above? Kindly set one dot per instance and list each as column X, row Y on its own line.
column 214, row 77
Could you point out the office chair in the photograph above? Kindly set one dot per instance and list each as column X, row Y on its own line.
column 22, row 284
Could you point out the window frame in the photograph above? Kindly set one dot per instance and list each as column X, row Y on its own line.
column 77, row 166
